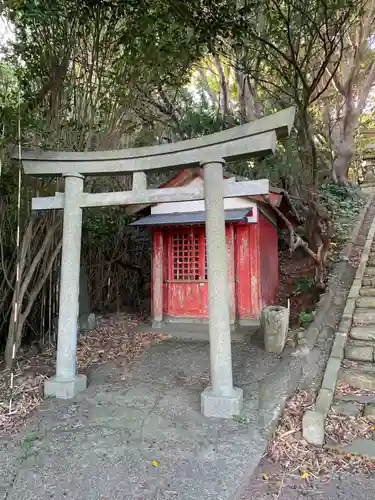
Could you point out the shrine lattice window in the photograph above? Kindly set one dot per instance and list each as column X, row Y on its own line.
column 188, row 255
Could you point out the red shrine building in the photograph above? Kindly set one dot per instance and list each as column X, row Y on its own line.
column 179, row 262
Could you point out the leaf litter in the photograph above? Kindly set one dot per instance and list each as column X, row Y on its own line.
column 298, row 458
column 113, row 340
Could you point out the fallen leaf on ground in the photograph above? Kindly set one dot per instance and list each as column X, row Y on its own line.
column 289, row 449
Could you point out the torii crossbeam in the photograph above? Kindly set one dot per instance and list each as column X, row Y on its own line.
column 254, row 139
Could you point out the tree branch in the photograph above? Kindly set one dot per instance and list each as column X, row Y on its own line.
column 295, row 240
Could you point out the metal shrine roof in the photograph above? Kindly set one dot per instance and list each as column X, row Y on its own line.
column 181, row 218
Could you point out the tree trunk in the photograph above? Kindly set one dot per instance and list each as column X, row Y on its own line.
column 341, row 165
column 351, row 88
column 224, row 91
column 308, row 153
column 344, row 149
column 16, row 327
column 249, row 108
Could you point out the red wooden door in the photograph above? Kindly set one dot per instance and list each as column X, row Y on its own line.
column 186, row 284
column 187, row 287
column 247, row 271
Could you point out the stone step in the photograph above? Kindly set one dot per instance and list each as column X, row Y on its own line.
column 348, row 408
column 369, row 412
column 357, row 447
column 367, row 302
column 357, row 378
column 359, row 398
column 370, row 272
column 363, row 317
column 367, row 292
column 367, row 367
column 366, row 333
column 359, row 352
column 360, row 343
column 370, row 282
column 198, row 332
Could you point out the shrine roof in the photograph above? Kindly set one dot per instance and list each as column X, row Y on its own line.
column 182, row 218
column 278, row 196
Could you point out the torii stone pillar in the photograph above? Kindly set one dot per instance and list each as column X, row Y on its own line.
column 253, row 139
column 220, row 399
column 66, row 383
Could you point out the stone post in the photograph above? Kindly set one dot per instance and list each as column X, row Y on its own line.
column 275, row 325
column 66, row 383
column 221, row 399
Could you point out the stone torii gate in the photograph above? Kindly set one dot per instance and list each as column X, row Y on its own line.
column 254, row 139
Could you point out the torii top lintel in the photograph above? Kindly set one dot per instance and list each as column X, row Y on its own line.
column 257, row 138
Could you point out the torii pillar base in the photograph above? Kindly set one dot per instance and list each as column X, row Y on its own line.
column 62, row 388
column 221, row 406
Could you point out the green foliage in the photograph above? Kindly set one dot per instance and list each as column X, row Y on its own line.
column 306, row 317
column 8, row 183
column 98, row 70
column 302, row 285
column 287, row 45
column 9, row 90
column 241, row 419
column 285, row 163
column 343, row 203
column 199, row 119
column 103, row 225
